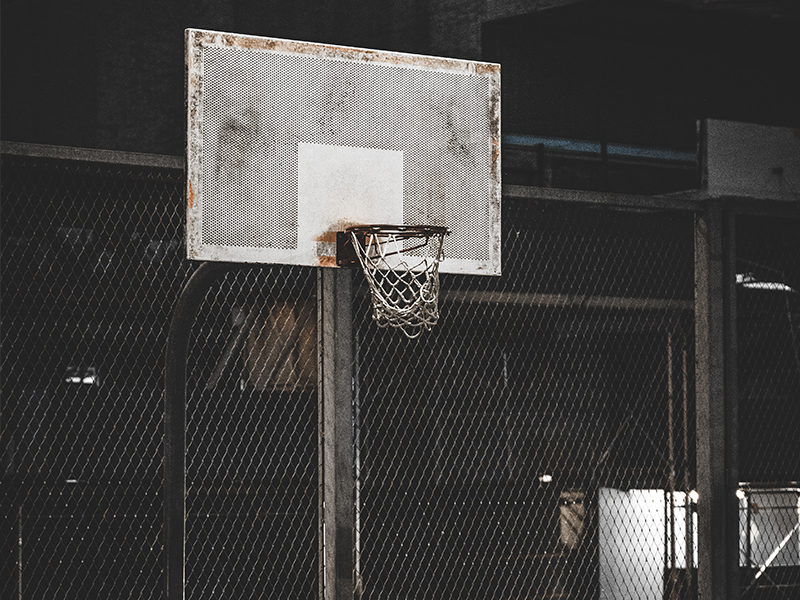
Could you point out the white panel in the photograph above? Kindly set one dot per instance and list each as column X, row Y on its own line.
column 340, row 186
column 754, row 161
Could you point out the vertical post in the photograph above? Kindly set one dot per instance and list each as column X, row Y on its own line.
column 671, row 475
column 19, row 551
column 687, row 502
column 749, row 546
column 335, row 292
column 731, row 403
column 177, row 351
column 717, row 542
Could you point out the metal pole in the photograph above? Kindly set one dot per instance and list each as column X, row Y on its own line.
column 189, row 302
column 749, row 538
column 687, row 501
column 671, row 475
column 715, row 541
column 336, row 389
column 731, row 404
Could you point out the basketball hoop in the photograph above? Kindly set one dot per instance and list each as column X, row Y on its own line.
column 401, row 264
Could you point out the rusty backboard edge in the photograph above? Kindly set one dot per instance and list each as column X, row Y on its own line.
column 243, row 254
column 194, row 192
column 249, row 42
column 495, row 212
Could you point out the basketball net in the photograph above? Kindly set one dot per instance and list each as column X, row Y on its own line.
column 401, row 265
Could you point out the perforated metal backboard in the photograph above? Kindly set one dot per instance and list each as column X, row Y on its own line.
column 289, row 142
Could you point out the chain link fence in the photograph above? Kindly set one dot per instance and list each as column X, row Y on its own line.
column 539, row 443
column 92, row 264
column 251, row 451
column 524, row 449
column 768, row 306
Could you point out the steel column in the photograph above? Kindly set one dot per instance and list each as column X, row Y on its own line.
column 716, row 483
column 731, row 403
column 335, row 293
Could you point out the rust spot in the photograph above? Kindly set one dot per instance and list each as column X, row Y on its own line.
column 253, row 43
column 330, row 235
column 495, row 153
column 346, row 52
column 190, row 196
column 486, row 68
column 326, row 261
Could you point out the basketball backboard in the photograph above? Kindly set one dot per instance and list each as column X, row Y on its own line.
column 290, row 142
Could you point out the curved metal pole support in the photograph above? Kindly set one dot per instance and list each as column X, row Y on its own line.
column 189, row 302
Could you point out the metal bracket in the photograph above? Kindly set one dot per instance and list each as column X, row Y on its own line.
column 345, row 252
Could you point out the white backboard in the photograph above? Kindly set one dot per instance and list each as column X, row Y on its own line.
column 289, row 142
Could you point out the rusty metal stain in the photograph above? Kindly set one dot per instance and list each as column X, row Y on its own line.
column 190, row 195
column 330, row 235
column 326, row 261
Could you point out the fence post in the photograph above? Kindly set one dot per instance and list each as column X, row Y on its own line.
column 176, row 356
column 716, row 432
column 335, row 293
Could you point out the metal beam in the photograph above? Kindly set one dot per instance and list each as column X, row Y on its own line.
column 566, row 300
column 116, row 157
column 335, row 298
column 639, row 201
column 686, row 201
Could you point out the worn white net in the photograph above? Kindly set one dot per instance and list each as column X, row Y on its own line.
column 401, row 265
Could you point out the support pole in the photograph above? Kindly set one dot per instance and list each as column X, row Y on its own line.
column 687, row 502
column 716, row 476
column 731, row 348
column 335, row 293
column 673, row 589
column 189, row 302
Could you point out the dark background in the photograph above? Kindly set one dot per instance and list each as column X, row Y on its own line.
column 110, row 74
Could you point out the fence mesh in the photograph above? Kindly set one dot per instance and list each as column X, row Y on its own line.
column 523, row 450
column 539, row 443
column 768, row 313
column 251, row 450
column 92, row 263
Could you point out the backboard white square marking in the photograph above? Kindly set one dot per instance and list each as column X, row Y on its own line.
column 339, row 186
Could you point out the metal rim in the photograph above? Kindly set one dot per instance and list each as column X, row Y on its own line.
column 400, row 230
